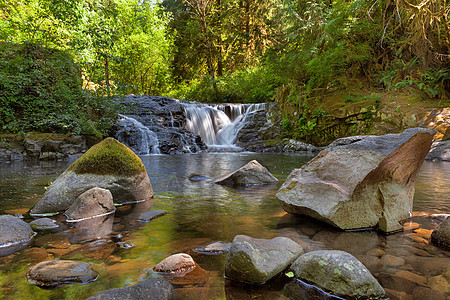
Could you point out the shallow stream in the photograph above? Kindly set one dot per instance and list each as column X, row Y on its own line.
column 124, row 251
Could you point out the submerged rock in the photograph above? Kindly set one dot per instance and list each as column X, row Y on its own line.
column 14, row 234
column 58, row 272
column 215, row 248
column 440, row 150
column 154, row 288
column 359, row 182
column 43, row 224
column 177, row 264
column 251, row 174
column 441, row 235
column 338, row 272
column 150, row 215
column 258, row 260
column 92, row 203
column 109, row 165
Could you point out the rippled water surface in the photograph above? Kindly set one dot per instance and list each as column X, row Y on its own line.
column 124, row 251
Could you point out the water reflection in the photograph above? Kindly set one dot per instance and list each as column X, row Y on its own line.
column 124, row 250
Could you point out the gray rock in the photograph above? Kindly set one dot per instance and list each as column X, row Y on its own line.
column 359, row 182
column 151, row 289
column 259, row 260
column 58, row 272
column 43, row 224
column 69, row 185
column 440, row 150
column 338, row 272
column 215, row 248
column 92, row 203
column 299, row 290
column 441, row 235
column 150, row 215
column 179, row 264
column 14, row 234
column 252, row 173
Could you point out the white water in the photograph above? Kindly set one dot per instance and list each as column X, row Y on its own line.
column 219, row 125
column 137, row 136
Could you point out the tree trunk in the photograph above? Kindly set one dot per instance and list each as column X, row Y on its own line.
column 108, row 90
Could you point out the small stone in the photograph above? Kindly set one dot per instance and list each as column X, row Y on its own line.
column 58, row 272
column 398, row 295
column 441, row 235
column 94, row 202
column 215, row 248
column 423, row 233
column 417, row 239
column 179, row 264
column 439, row 283
column 15, row 234
column 43, row 224
column 58, row 240
column 411, row 277
column 408, row 226
column 392, row 261
column 253, row 173
column 421, row 292
column 150, row 215
column 376, row 252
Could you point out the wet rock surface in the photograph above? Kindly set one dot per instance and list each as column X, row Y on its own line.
column 150, row 215
column 154, row 288
column 58, row 272
column 440, row 150
column 359, row 182
column 339, row 272
column 253, row 173
column 259, row 260
column 441, row 235
column 43, row 224
column 15, row 234
column 166, row 118
column 179, row 264
column 215, row 248
column 92, row 203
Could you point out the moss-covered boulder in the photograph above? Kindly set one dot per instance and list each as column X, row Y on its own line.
column 109, row 165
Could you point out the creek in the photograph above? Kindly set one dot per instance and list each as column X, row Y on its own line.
column 124, row 251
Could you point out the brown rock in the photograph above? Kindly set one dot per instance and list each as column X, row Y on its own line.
column 398, row 295
column 392, row 261
column 57, row 240
column 439, row 283
column 421, row 293
column 376, row 252
column 367, row 182
column 180, row 263
column 411, row 276
column 92, row 203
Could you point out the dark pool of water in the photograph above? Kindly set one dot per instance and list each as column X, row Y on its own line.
column 124, row 251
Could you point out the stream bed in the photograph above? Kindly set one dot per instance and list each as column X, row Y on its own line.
column 124, row 251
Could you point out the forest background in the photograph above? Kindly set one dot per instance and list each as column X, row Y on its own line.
column 62, row 61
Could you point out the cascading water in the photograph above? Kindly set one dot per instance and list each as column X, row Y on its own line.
column 219, row 125
column 137, row 136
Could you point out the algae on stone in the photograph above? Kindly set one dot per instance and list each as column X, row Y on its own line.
column 109, row 157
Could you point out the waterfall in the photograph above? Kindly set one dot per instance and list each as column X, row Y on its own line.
column 219, row 125
column 137, row 136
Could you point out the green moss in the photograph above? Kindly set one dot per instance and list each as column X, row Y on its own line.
column 109, row 157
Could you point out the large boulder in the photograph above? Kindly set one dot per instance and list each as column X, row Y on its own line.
column 154, row 288
column 251, row 174
column 109, row 165
column 257, row 261
column 359, row 182
column 14, row 234
column 92, row 203
column 338, row 272
column 441, row 235
column 53, row 273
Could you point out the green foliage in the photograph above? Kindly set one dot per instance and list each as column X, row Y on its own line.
column 109, row 157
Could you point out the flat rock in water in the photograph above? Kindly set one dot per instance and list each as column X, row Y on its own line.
column 43, row 224
column 359, row 182
column 259, row 260
column 92, row 203
column 58, row 272
column 338, row 272
column 108, row 165
column 150, row 215
column 441, row 235
column 215, row 248
column 154, row 288
column 14, row 234
column 253, row 173
column 177, row 264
